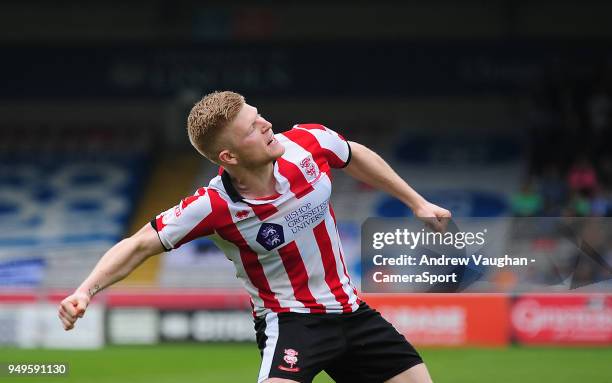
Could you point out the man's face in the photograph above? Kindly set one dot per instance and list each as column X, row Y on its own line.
column 251, row 140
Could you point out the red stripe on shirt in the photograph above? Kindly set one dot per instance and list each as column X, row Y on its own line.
column 358, row 301
column 227, row 230
column 297, row 182
column 264, row 211
column 189, row 200
column 329, row 265
column 273, row 196
column 311, row 126
column 294, row 265
column 253, row 308
column 159, row 223
column 309, row 142
column 331, row 211
column 203, row 228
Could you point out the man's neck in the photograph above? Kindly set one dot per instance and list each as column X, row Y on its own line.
column 253, row 183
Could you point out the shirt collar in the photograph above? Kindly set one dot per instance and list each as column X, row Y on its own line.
column 231, row 191
column 229, row 188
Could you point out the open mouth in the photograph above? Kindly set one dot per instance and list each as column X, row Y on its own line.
column 272, row 139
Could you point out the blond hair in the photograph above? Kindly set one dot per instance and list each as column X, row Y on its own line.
column 209, row 117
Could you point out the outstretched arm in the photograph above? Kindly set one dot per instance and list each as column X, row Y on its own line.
column 116, row 264
column 369, row 167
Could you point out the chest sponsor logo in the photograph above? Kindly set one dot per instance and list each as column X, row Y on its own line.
column 270, row 235
column 306, row 216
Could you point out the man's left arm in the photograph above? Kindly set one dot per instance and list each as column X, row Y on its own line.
column 368, row 167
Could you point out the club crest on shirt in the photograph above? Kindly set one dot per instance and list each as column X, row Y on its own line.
column 291, row 359
column 309, row 167
column 270, row 235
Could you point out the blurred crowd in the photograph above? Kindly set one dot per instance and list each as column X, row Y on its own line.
column 570, row 161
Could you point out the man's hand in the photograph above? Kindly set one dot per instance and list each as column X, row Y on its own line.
column 368, row 167
column 72, row 308
column 116, row 264
column 434, row 216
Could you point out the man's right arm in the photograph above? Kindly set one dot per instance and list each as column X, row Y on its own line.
column 116, row 264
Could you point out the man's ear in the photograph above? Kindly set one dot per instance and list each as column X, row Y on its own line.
column 226, row 157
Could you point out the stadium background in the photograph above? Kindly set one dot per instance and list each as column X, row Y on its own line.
column 490, row 108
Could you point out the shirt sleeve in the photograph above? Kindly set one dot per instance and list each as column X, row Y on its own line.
column 191, row 218
column 334, row 147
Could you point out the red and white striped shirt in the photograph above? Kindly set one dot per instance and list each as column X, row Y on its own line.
column 286, row 248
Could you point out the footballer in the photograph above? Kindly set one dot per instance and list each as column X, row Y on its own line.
column 268, row 209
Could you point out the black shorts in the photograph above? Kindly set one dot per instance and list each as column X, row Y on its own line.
column 354, row 347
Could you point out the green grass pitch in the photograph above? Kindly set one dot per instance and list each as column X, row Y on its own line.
column 191, row 363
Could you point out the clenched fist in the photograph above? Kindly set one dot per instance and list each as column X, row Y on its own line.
column 72, row 308
column 433, row 216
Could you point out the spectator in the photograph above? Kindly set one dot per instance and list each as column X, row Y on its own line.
column 578, row 206
column 526, row 202
column 582, row 177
